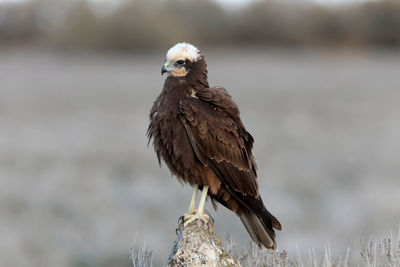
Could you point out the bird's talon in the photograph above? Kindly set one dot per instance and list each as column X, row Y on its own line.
column 203, row 216
column 181, row 219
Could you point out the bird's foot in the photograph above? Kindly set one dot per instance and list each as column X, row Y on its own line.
column 194, row 215
column 184, row 218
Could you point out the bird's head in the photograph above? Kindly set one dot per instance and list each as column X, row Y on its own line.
column 179, row 59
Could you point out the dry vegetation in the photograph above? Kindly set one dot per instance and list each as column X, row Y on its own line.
column 152, row 24
column 384, row 253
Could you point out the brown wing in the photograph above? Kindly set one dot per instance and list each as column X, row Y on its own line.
column 152, row 130
column 219, row 138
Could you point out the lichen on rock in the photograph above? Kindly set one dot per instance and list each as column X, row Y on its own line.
column 197, row 245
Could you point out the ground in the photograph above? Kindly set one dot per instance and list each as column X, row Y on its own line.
column 78, row 184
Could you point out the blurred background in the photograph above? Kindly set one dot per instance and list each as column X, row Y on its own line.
column 318, row 84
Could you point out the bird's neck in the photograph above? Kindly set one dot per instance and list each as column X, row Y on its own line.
column 178, row 88
column 197, row 76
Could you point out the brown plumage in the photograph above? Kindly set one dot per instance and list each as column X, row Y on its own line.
column 198, row 132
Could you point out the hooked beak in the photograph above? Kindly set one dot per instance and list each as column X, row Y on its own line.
column 166, row 68
column 163, row 70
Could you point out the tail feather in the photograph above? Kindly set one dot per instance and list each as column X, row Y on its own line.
column 257, row 220
column 260, row 228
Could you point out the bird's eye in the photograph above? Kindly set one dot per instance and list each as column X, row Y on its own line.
column 180, row 62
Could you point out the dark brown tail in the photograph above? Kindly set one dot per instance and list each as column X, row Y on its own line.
column 260, row 226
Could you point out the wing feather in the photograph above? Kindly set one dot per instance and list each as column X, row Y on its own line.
column 219, row 138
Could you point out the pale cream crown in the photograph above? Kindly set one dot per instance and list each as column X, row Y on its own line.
column 183, row 51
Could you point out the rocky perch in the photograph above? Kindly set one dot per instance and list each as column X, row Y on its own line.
column 197, row 245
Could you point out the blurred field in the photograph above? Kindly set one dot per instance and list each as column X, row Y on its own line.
column 78, row 184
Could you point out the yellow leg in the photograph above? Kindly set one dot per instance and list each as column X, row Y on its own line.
column 203, row 199
column 200, row 214
column 192, row 207
column 194, row 198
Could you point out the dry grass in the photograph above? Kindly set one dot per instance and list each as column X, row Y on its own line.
column 384, row 253
column 141, row 257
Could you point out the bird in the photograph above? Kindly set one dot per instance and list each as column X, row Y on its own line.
column 197, row 131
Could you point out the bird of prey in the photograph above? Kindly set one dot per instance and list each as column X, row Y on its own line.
column 196, row 129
